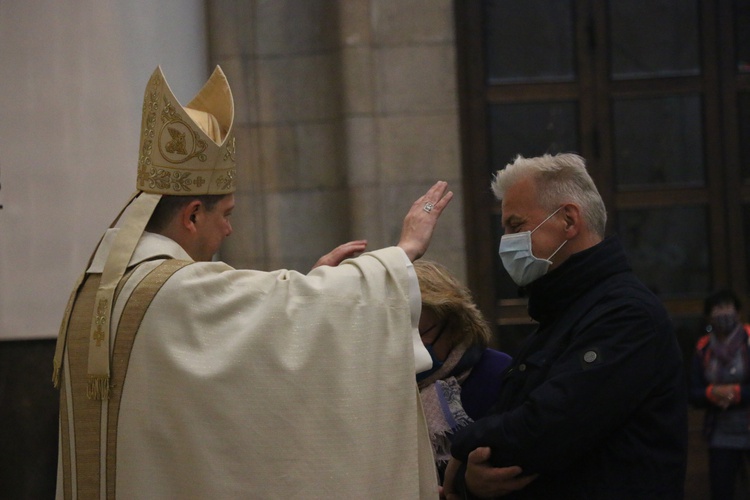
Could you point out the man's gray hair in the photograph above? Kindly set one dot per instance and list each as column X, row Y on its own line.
column 560, row 178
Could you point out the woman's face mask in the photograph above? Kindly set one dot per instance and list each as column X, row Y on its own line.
column 436, row 362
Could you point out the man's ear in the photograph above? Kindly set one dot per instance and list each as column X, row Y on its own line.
column 189, row 214
column 572, row 216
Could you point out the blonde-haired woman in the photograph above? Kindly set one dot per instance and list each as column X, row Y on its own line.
column 464, row 381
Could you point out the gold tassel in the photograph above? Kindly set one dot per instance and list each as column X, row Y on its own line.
column 98, row 388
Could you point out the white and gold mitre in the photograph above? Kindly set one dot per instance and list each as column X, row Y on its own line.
column 187, row 150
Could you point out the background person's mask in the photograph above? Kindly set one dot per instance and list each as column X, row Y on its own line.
column 725, row 323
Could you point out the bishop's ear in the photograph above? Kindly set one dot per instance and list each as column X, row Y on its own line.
column 189, row 214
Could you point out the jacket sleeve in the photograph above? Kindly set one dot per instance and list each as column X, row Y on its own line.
column 698, row 382
column 609, row 369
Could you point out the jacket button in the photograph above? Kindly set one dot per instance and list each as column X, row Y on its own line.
column 522, row 367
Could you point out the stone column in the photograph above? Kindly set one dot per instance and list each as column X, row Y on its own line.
column 346, row 112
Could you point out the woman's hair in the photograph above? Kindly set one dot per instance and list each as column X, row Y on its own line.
column 720, row 298
column 560, row 178
column 451, row 301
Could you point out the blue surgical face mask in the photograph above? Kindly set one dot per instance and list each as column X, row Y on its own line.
column 436, row 363
column 518, row 259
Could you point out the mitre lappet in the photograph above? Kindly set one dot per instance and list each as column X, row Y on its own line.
column 184, row 150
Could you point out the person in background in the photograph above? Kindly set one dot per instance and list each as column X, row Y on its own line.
column 720, row 383
column 464, row 380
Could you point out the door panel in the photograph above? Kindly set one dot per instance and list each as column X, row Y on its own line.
column 655, row 94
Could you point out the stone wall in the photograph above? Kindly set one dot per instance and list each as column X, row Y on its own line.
column 346, row 113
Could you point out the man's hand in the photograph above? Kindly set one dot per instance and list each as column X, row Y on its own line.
column 341, row 253
column 448, row 490
column 486, row 481
column 723, row 395
column 483, row 480
column 421, row 219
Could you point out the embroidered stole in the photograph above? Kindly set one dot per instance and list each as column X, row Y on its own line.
column 86, row 423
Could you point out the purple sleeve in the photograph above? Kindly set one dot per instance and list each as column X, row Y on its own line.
column 481, row 388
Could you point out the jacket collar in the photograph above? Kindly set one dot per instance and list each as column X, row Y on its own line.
column 554, row 292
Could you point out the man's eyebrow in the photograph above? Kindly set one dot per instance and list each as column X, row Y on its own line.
column 512, row 219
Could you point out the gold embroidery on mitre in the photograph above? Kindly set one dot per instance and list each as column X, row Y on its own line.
column 177, row 144
column 177, row 181
column 150, row 107
column 177, row 156
column 230, row 148
column 225, row 182
column 182, row 142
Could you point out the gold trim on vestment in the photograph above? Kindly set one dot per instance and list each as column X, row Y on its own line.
column 130, row 321
column 65, row 461
column 86, row 413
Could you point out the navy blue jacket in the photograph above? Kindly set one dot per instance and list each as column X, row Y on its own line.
column 596, row 401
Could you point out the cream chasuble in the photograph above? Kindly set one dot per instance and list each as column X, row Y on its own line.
column 248, row 384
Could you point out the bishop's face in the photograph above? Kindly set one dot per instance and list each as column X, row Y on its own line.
column 213, row 226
